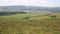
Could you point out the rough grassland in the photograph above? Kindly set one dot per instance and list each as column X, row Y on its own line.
column 37, row 24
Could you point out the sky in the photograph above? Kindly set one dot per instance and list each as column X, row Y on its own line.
column 44, row 3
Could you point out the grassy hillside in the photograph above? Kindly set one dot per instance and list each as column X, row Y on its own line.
column 36, row 24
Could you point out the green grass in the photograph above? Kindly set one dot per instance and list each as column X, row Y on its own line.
column 37, row 24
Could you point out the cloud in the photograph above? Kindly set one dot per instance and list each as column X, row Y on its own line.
column 45, row 3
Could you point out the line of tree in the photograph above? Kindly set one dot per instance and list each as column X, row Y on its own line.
column 11, row 13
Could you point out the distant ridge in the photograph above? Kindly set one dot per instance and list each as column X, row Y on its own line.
column 22, row 7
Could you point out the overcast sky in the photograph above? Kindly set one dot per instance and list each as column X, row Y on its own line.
column 44, row 3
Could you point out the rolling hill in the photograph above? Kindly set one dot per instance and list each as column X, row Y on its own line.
column 37, row 8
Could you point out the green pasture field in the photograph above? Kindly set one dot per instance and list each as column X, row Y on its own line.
column 35, row 24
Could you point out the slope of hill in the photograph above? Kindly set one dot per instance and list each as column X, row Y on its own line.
column 38, row 8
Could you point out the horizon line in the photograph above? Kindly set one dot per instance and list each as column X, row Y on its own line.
column 26, row 5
